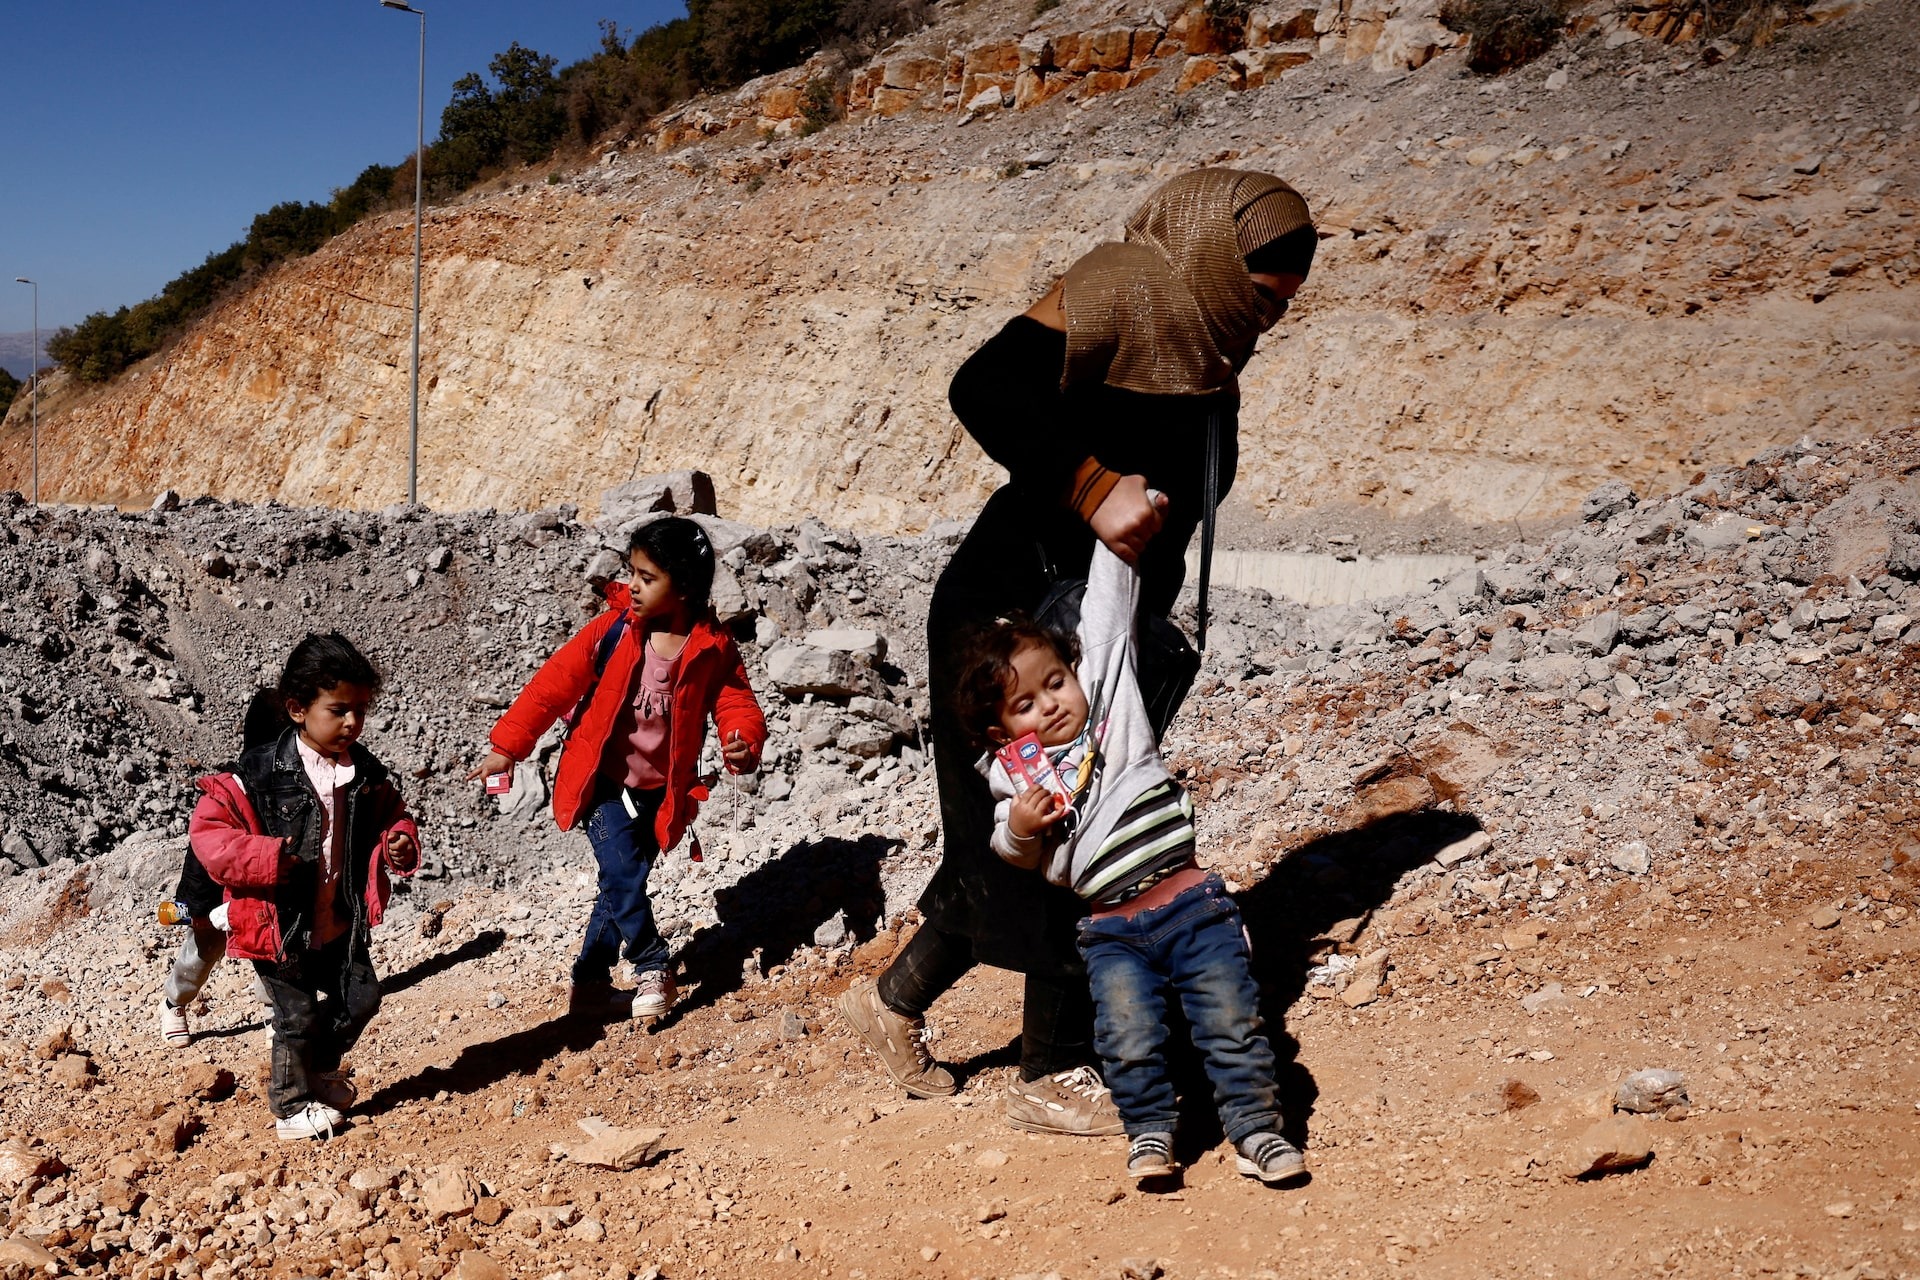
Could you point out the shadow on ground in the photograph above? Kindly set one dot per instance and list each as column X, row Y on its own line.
column 1288, row 913
column 487, row 1063
column 764, row 919
column 481, row 944
column 776, row 909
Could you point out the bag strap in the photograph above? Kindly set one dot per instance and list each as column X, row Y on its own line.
column 1210, row 499
column 602, row 654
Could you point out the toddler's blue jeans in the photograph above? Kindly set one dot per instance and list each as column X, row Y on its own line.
column 1195, row 950
column 625, row 847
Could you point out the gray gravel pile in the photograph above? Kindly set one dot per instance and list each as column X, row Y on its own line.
column 131, row 642
column 1711, row 684
column 1694, row 676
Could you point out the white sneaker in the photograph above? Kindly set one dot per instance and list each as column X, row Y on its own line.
column 315, row 1120
column 654, row 994
column 174, row 1032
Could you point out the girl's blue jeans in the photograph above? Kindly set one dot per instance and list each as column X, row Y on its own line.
column 1194, row 950
column 625, row 847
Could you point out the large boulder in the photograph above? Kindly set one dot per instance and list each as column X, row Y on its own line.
column 798, row 670
column 677, row 493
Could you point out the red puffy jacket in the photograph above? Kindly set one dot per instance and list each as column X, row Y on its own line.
column 710, row 679
column 231, row 842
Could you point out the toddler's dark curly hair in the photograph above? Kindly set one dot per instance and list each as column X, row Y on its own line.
column 984, row 669
column 319, row 663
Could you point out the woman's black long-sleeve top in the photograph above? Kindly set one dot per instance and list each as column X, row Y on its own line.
column 1009, row 398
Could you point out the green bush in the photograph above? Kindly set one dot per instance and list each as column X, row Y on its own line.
column 1231, row 14
column 1749, row 23
column 289, row 230
column 517, row 120
column 9, row 388
column 819, row 106
column 1506, row 33
column 371, row 192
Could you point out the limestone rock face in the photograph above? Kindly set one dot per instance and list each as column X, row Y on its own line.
column 1504, row 312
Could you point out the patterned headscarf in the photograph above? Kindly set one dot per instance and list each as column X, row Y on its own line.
column 1167, row 311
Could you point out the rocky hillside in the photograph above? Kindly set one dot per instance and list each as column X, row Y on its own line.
column 1639, row 797
column 1639, row 256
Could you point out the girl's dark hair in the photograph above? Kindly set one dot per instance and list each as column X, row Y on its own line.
column 320, row 662
column 984, row 668
column 265, row 719
column 682, row 549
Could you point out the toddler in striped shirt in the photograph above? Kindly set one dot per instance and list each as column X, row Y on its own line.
column 1082, row 795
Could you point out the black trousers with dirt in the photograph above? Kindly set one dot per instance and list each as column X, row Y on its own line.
column 323, row 998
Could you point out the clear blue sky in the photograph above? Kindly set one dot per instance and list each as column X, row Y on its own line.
column 138, row 136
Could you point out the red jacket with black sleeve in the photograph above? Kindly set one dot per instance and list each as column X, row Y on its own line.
column 256, row 832
column 710, row 679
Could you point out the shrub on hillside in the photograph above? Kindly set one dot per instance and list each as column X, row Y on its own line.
column 820, row 105
column 105, row 343
column 1506, row 33
column 289, row 230
column 517, row 120
column 9, row 388
column 1230, row 16
column 1749, row 23
column 371, row 192
column 865, row 27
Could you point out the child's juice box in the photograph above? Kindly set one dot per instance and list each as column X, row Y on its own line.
column 1028, row 765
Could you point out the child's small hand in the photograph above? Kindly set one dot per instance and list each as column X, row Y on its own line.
column 1033, row 811
column 737, row 754
column 496, row 762
column 399, row 848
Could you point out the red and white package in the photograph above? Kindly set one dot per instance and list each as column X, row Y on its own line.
column 498, row 784
column 1028, row 765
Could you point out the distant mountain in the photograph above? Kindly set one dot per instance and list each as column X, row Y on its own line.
column 16, row 352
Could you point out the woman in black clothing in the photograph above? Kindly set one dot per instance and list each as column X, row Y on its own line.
column 1097, row 401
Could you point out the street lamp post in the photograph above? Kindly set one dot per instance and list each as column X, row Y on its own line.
column 36, row 384
column 419, row 157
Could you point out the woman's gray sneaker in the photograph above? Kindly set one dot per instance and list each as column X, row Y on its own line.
column 1075, row 1103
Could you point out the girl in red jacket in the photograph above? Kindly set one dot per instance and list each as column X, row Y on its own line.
column 639, row 682
column 301, row 835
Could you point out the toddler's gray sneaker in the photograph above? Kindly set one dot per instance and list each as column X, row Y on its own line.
column 1270, row 1158
column 1150, row 1155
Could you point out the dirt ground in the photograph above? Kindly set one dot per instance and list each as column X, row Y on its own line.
column 787, row 1151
